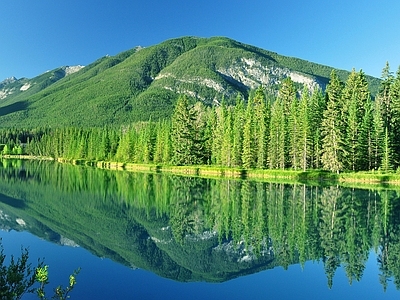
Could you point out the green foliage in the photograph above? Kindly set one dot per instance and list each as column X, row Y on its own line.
column 19, row 278
column 332, row 128
column 200, row 217
column 340, row 130
column 144, row 83
column 187, row 134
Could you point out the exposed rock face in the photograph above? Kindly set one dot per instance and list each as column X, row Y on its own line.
column 247, row 74
column 251, row 73
column 72, row 69
column 25, row 87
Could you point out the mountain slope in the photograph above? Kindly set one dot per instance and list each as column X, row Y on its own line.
column 145, row 82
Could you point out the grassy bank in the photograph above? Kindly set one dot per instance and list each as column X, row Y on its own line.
column 351, row 179
column 354, row 179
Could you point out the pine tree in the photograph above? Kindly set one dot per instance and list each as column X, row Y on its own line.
column 277, row 132
column 287, row 94
column 387, row 162
column 184, row 139
column 355, row 98
column 238, row 124
column 394, row 94
column 248, row 138
column 365, row 139
column 352, row 131
column 227, row 140
column 377, row 134
column 316, row 111
column 218, row 133
column 304, row 130
column 388, row 119
column 260, row 128
column 332, row 131
column 162, row 144
column 384, row 94
column 294, row 136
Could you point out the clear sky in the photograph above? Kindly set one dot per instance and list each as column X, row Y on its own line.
column 40, row 35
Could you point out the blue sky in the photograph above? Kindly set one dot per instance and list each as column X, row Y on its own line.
column 36, row 36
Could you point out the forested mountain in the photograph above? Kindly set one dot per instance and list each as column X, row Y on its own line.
column 144, row 83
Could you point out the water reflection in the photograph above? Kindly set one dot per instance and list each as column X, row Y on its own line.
column 191, row 229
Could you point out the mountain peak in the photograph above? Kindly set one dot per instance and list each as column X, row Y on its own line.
column 8, row 80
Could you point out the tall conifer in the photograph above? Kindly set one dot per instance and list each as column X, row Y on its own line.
column 248, row 139
column 333, row 137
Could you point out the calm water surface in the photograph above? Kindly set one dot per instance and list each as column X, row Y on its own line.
column 154, row 236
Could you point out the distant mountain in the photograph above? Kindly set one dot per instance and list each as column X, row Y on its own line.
column 145, row 82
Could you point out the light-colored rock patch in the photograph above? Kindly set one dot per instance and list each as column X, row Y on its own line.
column 25, row 86
column 72, row 69
column 67, row 242
column 20, row 222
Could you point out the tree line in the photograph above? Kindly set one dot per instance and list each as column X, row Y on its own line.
column 341, row 128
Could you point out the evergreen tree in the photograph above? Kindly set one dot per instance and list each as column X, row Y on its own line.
column 260, row 128
column 294, row 136
column 377, row 134
column 162, row 144
column 304, row 130
column 365, row 139
column 185, row 144
column 316, row 111
column 384, row 95
column 277, row 132
column 200, row 124
column 218, row 133
column 332, row 131
column 208, row 135
column 238, row 124
column 394, row 95
column 355, row 101
column 385, row 99
column 248, row 138
column 387, row 161
column 125, row 147
column 287, row 94
column 227, row 140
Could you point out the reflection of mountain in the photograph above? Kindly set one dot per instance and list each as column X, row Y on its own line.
column 201, row 229
column 89, row 208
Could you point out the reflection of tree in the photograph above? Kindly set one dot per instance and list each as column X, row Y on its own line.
column 389, row 252
column 331, row 231
column 259, row 217
column 276, row 222
column 245, row 211
column 356, row 248
column 180, row 221
column 337, row 225
column 187, row 196
column 384, row 248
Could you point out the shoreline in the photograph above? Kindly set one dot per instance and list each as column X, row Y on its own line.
column 354, row 179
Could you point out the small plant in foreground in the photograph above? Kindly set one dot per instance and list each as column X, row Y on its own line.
column 19, row 278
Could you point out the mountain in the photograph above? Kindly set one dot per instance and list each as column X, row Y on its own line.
column 144, row 83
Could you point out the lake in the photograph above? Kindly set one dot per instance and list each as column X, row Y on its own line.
column 163, row 236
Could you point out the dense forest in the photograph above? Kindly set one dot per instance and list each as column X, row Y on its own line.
column 341, row 128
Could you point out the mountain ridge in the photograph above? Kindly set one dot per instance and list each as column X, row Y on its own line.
column 143, row 83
